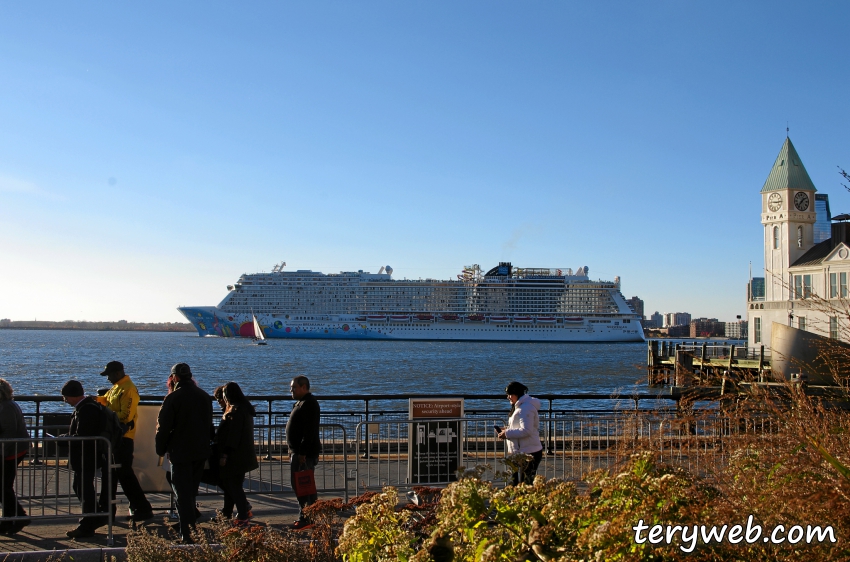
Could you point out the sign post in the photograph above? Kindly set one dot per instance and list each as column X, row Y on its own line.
column 434, row 449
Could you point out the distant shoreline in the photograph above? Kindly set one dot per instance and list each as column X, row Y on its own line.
column 119, row 326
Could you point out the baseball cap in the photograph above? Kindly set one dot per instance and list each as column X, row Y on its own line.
column 113, row 367
column 182, row 371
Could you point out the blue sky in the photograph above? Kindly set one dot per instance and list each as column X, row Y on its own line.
column 150, row 154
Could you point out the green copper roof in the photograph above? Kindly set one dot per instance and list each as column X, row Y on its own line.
column 788, row 171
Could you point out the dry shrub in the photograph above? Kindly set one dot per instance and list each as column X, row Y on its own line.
column 788, row 468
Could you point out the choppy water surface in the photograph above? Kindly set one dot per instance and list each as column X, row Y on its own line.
column 40, row 361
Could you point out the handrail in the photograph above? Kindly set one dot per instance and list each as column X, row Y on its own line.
column 370, row 397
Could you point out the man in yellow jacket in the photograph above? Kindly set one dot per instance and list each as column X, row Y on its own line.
column 123, row 399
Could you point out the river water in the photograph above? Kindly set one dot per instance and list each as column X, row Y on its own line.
column 40, row 361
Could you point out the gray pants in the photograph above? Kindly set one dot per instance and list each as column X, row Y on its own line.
column 295, row 466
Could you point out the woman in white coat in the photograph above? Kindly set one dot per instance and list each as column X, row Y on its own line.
column 523, row 432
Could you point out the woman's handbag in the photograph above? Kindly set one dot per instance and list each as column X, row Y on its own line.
column 305, row 483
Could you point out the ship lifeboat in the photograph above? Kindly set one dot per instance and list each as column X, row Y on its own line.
column 424, row 317
column 545, row 319
column 523, row 319
column 499, row 319
column 573, row 320
column 361, row 318
column 475, row 318
column 377, row 318
column 400, row 317
column 449, row 317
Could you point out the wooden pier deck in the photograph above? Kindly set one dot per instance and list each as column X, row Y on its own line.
column 686, row 364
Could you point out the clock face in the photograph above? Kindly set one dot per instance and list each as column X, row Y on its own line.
column 801, row 201
column 774, row 202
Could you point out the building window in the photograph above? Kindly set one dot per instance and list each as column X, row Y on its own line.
column 802, row 286
column 801, row 322
column 757, row 330
column 799, row 236
column 843, row 284
column 775, row 237
column 833, row 327
column 833, row 285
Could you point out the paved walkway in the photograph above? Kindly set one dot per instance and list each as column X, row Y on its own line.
column 278, row 511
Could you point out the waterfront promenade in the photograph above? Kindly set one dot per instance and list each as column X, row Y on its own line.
column 42, row 535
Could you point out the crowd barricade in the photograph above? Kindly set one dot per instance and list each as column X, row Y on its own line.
column 425, row 452
column 273, row 474
column 44, row 484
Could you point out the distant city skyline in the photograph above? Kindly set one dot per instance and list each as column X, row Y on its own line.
column 150, row 154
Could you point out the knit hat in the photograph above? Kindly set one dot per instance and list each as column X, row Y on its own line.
column 72, row 389
column 516, row 388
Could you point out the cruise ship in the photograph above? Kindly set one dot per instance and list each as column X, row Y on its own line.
column 506, row 303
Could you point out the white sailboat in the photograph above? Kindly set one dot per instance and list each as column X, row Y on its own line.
column 259, row 336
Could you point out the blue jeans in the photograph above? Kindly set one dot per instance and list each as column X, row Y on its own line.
column 294, row 466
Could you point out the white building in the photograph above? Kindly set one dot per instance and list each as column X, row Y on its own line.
column 797, row 266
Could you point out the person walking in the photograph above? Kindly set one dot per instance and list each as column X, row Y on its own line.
column 85, row 457
column 237, row 456
column 123, row 399
column 523, row 432
column 12, row 426
column 302, row 438
column 183, row 431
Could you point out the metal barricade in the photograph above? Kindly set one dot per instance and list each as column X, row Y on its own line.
column 273, row 474
column 49, row 488
column 428, row 451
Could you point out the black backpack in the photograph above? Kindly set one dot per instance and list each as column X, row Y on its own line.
column 113, row 429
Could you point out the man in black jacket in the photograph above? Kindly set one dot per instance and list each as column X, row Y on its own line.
column 183, row 431
column 302, row 438
column 86, row 457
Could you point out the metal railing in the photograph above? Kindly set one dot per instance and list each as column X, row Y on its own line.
column 406, row 453
column 273, row 474
column 47, row 487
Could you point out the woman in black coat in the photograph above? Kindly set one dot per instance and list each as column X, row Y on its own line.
column 235, row 439
column 12, row 426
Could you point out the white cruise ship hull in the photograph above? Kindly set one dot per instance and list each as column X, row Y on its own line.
column 211, row 321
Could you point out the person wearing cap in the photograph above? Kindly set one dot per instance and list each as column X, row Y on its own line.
column 523, row 432
column 183, row 431
column 123, row 399
column 85, row 458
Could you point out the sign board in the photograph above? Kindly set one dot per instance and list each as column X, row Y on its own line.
column 145, row 461
column 434, row 449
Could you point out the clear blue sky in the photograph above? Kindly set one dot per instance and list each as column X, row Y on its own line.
column 150, row 153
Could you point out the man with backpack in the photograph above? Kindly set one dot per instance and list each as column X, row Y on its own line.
column 123, row 399
column 88, row 420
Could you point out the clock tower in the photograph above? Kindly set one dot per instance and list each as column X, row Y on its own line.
column 788, row 217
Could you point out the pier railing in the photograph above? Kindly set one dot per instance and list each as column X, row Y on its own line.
column 377, row 450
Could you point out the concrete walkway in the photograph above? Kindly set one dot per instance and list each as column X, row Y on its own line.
column 43, row 535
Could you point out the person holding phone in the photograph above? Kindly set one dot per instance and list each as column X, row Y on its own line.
column 523, row 432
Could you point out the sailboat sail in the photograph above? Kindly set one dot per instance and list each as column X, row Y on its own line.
column 258, row 331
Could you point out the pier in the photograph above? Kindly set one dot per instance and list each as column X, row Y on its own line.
column 702, row 363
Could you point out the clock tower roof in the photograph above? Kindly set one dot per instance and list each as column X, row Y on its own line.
column 788, row 171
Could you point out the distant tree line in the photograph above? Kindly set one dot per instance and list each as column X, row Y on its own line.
column 119, row 326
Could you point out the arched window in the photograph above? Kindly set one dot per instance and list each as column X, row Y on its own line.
column 775, row 237
column 799, row 236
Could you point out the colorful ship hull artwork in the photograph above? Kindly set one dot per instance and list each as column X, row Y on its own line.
column 503, row 304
